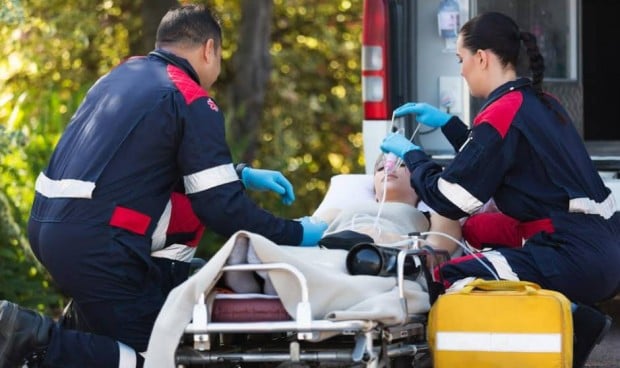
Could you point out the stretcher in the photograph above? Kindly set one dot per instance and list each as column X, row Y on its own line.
column 225, row 332
column 296, row 306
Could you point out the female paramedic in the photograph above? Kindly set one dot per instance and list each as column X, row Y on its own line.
column 524, row 152
column 143, row 128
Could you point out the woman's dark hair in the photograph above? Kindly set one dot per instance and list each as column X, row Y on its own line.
column 499, row 33
column 188, row 25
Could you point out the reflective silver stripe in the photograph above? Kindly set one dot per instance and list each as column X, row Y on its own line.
column 209, row 178
column 465, row 144
column 589, row 206
column 499, row 262
column 64, row 188
column 499, row 342
column 459, row 196
column 159, row 234
column 126, row 357
column 177, row 252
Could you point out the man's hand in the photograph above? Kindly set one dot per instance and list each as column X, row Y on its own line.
column 258, row 179
column 313, row 230
column 397, row 144
column 425, row 114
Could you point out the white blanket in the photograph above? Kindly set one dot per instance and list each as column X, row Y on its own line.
column 386, row 223
column 333, row 293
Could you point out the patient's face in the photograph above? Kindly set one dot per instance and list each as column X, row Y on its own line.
column 397, row 185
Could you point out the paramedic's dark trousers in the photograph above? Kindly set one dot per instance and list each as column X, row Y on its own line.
column 581, row 263
column 115, row 284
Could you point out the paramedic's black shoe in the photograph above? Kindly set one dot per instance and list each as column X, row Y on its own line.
column 24, row 335
column 589, row 328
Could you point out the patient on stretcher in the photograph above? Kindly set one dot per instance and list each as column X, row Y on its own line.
column 386, row 209
column 333, row 294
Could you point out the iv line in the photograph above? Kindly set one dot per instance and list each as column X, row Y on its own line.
column 397, row 164
column 399, row 160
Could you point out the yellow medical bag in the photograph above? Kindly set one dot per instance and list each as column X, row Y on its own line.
column 501, row 324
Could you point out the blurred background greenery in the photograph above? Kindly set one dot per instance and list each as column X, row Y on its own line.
column 290, row 90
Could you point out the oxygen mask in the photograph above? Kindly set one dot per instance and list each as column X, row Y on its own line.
column 390, row 163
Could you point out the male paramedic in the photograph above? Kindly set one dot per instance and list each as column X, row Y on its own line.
column 143, row 129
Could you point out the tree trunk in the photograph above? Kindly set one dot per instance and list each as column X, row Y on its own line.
column 151, row 13
column 252, row 66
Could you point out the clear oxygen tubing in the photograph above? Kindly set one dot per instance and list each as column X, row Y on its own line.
column 465, row 248
column 394, row 163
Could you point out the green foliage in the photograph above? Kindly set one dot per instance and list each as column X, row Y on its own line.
column 313, row 113
column 311, row 124
column 22, row 277
column 47, row 64
column 11, row 11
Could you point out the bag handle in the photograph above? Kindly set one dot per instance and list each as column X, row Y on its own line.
column 501, row 285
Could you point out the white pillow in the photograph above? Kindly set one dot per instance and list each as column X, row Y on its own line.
column 345, row 190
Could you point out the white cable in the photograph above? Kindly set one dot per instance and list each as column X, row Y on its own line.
column 397, row 164
column 385, row 177
column 466, row 248
column 375, row 225
column 399, row 161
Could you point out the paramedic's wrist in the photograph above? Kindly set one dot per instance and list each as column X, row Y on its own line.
column 313, row 228
column 239, row 169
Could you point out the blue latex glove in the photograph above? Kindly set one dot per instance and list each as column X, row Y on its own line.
column 313, row 231
column 258, row 179
column 397, row 144
column 426, row 114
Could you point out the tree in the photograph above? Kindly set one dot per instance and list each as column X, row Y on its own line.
column 252, row 68
column 145, row 26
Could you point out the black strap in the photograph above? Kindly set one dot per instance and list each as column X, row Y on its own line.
column 239, row 169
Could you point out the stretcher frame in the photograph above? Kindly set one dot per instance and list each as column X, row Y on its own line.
column 356, row 343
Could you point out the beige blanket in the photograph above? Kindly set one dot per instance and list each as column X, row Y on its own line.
column 385, row 222
column 333, row 293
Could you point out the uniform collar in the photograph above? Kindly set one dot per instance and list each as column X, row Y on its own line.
column 506, row 88
column 175, row 60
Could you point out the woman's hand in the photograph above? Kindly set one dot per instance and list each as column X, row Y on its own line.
column 425, row 114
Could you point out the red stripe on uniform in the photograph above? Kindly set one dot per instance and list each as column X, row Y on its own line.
column 128, row 219
column 500, row 115
column 186, row 85
column 530, row 228
column 184, row 220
